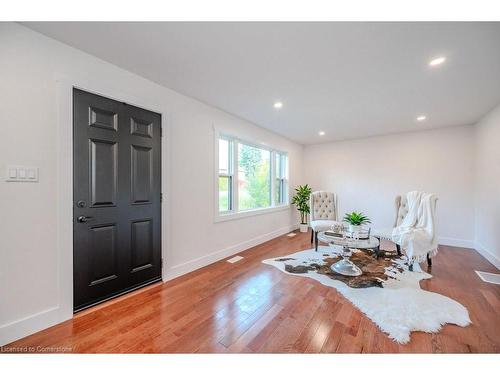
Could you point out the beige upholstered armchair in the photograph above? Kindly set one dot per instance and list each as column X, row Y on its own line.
column 323, row 214
column 401, row 209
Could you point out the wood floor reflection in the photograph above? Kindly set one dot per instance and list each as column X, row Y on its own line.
column 249, row 307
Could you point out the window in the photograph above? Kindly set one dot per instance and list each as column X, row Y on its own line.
column 225, row 175
column 250, row 177
column 254, row 177
column 281, row 187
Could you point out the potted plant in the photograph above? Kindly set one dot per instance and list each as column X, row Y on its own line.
column 355, row 220
column 301, row 201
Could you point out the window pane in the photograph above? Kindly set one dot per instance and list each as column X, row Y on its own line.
column 285, row 167
column 223, row 156
column 278, row 165
column 224, row 194
column 281, row 165
column 281, row 178
column 254, row 177
column 279, row 191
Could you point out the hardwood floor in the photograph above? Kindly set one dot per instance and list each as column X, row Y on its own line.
column 249, row 307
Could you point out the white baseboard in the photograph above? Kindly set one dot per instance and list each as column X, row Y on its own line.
column 182, row 269
column 26, row 326
column 449, row 241
column 492, row 258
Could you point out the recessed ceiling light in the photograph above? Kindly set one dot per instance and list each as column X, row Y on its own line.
column 321, row 133
column 421, row 118
column 437, row 61
column 278, row 105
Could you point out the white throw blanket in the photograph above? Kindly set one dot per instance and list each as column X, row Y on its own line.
column 416, row 234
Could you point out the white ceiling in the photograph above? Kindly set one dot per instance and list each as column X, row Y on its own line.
column 348, row 79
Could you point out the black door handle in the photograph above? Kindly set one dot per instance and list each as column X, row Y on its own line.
column 84, row 219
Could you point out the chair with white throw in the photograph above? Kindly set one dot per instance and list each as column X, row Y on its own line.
column 323, row 213
column 414, row 229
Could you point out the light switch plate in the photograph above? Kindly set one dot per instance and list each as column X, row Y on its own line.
column 11, row 173
column 19, row 173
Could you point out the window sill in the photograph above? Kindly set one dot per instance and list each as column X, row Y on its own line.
column 249, row 213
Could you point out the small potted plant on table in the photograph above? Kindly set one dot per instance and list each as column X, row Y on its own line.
column 356, row 220
column 301, row 201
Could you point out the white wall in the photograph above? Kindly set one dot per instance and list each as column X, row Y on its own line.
column 487, row 186
column 368, row 173
column 35, row 268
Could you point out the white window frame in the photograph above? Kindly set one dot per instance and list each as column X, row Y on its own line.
column 230, row 174
column 283, row 179
column 234, row 213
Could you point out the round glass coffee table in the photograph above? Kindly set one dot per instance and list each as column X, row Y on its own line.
column 345, row 266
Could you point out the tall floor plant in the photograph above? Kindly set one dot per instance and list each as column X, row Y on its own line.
column 301, row 201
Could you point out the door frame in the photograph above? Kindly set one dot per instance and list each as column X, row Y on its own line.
column 64, row 99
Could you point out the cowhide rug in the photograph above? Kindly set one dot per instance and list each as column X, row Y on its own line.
column 387, row 292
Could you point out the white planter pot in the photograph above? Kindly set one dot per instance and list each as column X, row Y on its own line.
column 303, row 228
column 354, row 228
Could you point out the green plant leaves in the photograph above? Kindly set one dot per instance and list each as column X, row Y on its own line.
column 301, row 201
column 356, row 218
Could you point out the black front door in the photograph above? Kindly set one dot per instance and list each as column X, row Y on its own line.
column 116, row 194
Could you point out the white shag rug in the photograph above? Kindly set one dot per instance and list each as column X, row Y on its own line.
column 398, row 308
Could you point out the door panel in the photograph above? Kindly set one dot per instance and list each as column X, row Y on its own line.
column 117, row 186
column 141, row 127
column 104, row 174
column 142, row 245
column 103, row 254
column 102, row 118
column 144, row 193
column 142, row 174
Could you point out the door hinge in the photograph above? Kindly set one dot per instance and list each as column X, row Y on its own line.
column 161, row 131
column 161, row 197
column 161, row 262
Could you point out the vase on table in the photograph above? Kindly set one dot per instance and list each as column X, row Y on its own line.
column 354, row 228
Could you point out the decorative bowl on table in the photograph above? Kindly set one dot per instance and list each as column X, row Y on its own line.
column 362, row 233
column 336, row 230
column 340, row 229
